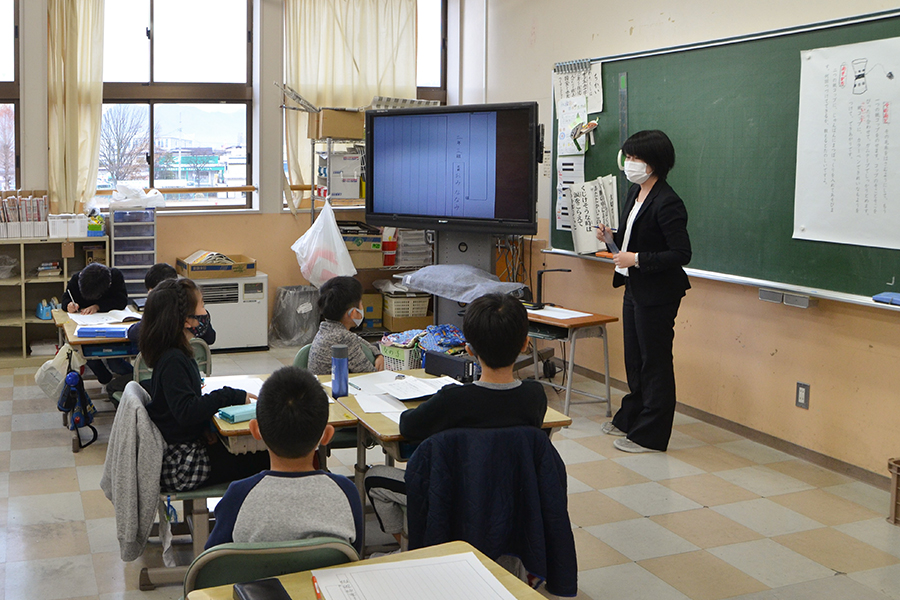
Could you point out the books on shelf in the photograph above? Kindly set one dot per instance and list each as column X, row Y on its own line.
column 24, row 216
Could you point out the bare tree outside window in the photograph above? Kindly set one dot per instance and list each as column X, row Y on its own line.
column 124, row 143
column 7, row 147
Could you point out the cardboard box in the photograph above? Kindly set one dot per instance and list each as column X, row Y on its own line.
column 359, row 236
column 393, row 323
column 372, row 306
column 338, row 124
column 373, row 323
column 366, row 260
column 243, row 266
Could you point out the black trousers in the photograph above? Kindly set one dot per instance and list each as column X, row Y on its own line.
column 648, row 409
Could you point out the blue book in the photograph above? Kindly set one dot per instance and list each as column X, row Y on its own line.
column 102, row 331
column 887, row 298
column 238, row 413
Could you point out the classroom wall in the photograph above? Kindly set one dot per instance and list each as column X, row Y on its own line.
column 735, row 356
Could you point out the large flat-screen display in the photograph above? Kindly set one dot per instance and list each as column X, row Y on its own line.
column 453, row 168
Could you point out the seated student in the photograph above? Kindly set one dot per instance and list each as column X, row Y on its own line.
column 161, row 272
column 340, row 302
column 98, row 288
column 178, row 407
column 293, row 501
column 496, row 329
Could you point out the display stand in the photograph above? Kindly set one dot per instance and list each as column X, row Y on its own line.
column 455, row 248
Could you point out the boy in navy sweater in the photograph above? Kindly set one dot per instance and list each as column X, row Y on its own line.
column 291, row 501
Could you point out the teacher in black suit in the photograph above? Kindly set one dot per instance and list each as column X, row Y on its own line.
column 654, row 245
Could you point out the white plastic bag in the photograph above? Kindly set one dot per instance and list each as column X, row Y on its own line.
column 321, row 252
column 51, row 375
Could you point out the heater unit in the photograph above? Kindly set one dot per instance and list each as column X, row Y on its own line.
column 238, row 307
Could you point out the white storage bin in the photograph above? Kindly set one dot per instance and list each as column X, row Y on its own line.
column 14, row 230
column 78, row 226
column 27, row 229
column 58, row 226
column 41, row 229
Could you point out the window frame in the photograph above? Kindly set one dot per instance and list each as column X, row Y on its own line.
column 438, row 93
column 154, row 93
column 9, row 94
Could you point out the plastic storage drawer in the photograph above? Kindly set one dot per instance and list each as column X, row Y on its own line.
column 133, row 216
column 134, row 229
column 133, row 245
column 125, row 260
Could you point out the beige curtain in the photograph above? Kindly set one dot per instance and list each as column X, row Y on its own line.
column 75, row 100
column 341, row 53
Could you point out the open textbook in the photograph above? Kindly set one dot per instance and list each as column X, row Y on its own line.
column 207, row 257
column 113, row 316
column 590, row 203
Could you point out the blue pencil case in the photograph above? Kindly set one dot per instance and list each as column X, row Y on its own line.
column 887, row 298
column 238, row 413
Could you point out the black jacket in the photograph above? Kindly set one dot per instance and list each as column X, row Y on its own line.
column 659, row 235
column 115, row 298
column 501, row 490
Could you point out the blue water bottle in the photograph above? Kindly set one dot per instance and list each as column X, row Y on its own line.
column 339, row 370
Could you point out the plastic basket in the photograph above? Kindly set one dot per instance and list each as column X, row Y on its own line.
column 401, row 305
column 401, row 359
column 894, row 468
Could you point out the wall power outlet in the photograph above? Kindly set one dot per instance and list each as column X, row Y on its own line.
column 802, row 399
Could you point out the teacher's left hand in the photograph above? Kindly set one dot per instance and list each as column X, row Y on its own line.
column 624, row 260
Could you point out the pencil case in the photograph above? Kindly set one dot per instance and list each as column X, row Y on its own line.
column 238, row 413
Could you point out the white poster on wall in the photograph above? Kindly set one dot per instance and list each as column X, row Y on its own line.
column 848, row 145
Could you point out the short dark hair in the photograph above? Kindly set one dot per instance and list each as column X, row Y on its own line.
column 654, row 148
column 292, row 412
column 337, row 296
column 159, row 272
column 162, row 325
column 94, row 280
column 496, row 326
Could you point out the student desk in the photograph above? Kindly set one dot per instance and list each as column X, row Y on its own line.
column 550, row 327
column 299, row 585
column 387, row 433
column 236, row 436
column 92, row 348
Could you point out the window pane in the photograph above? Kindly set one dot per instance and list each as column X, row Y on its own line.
column 126, row 49
column 203, row 41
column 7, row 147
column 7, row 41
column 124, row 143
column 201, row 145
column 428, row 43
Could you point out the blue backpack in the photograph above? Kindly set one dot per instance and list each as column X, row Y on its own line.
column 77, row 405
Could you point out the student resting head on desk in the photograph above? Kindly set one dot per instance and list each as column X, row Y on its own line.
column 340, row 303
column 163, row 272
column 496, row 329
column 293, row 500
column 178, row 407
column 98, row 288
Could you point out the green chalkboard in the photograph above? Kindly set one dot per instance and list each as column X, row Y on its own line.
column 731, row 110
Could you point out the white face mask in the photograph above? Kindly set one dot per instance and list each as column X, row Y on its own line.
column 356, row 321
column 636, row 171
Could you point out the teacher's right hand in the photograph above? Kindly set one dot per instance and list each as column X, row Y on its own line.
column 600, row 231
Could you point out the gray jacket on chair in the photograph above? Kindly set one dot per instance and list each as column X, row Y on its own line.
column 131, row 471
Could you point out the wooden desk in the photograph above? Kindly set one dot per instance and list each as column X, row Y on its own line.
column 299, row 585
column 92, row 348
column 236, row 436
column 546, row 327
column 387, row 433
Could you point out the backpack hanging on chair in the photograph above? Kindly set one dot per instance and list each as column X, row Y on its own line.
column 75, row 402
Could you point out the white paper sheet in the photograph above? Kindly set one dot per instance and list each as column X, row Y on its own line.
column 438, row 578
column 393, row 416
column 558, row 313
column 848, row 145
column 368, row 383
column 570, row 112
column 375, row 403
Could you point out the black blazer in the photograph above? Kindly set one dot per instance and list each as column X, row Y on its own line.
column 659, row 234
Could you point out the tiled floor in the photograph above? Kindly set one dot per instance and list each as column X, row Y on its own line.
column 718, row 516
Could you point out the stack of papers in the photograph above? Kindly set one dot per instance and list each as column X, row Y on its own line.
column 113, row 316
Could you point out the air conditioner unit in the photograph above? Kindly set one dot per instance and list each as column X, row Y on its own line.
column 238, row 308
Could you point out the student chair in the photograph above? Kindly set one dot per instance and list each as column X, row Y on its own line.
column 202, row 355
column 236, row 563
column 513, row 504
